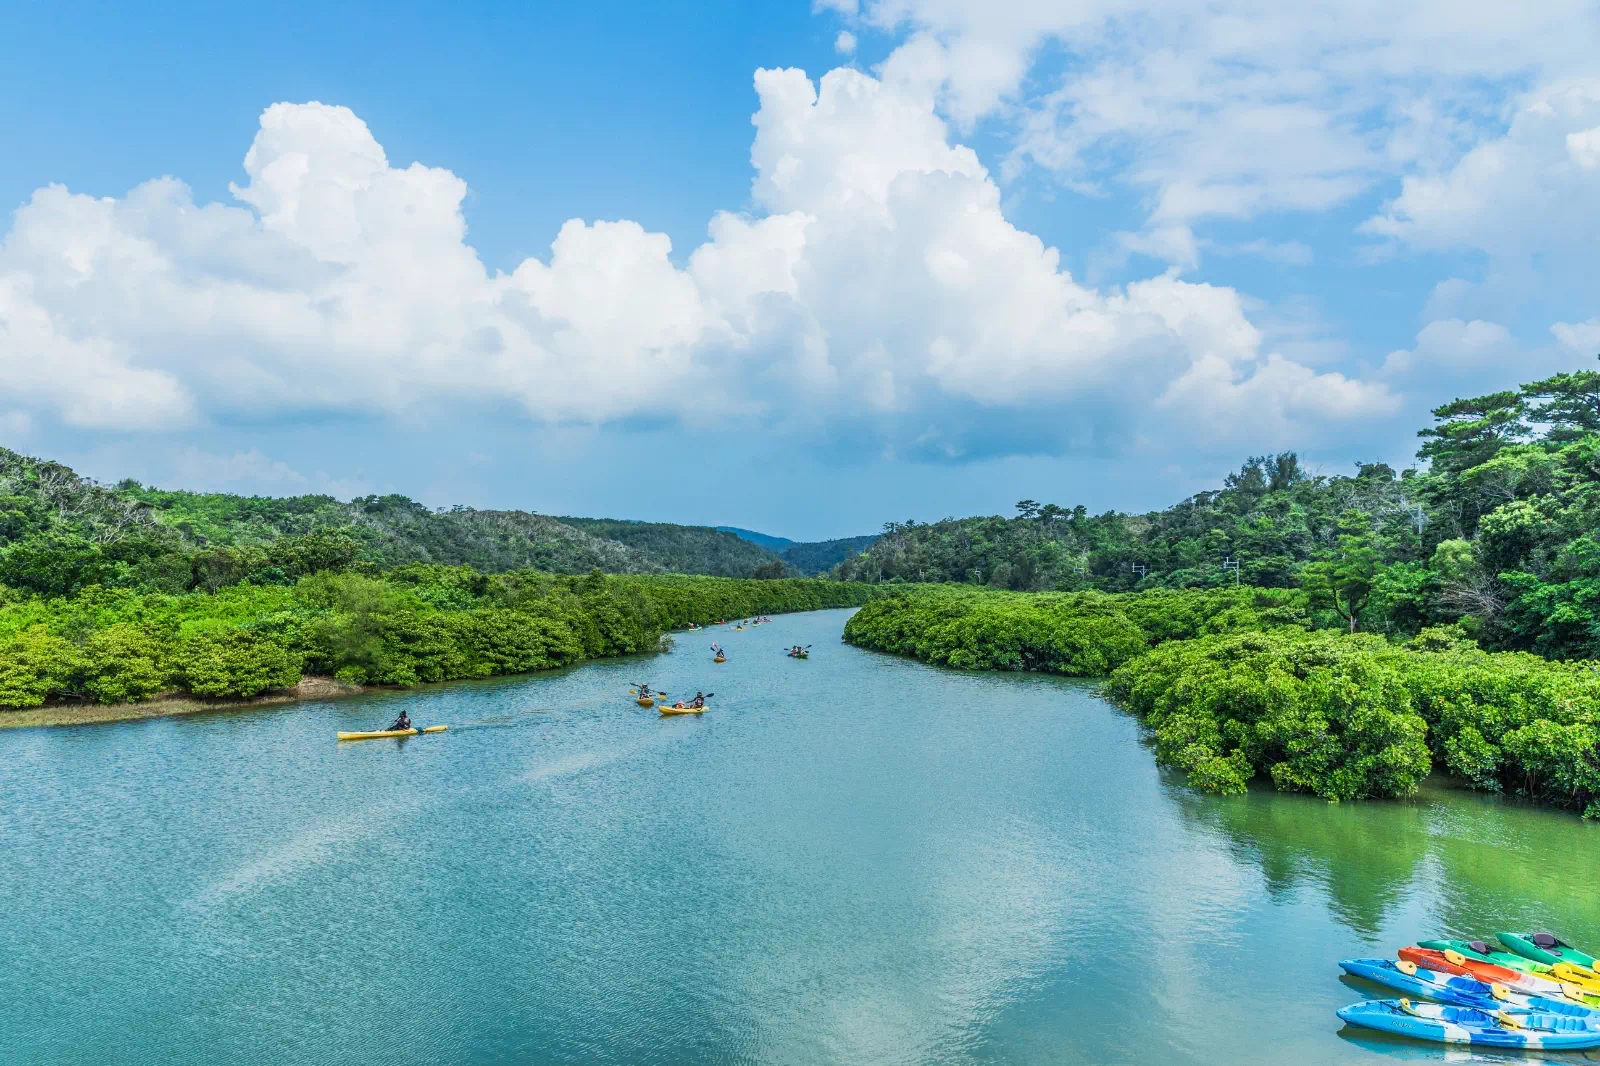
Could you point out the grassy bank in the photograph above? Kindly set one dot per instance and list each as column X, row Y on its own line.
column 425, row 623
column 1235, row 686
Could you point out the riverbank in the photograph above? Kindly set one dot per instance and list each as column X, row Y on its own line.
column 408, row 626
column 172, row 704
column 1237, row 687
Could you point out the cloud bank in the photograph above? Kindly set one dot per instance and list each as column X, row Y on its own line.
column 874, row 295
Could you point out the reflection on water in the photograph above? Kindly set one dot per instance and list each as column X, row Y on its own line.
column 851, row 859
column 1476, row 863
column 1364, row 858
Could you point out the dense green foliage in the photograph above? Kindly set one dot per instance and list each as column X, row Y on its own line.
column 1496, row 533
column 424, row 622
column 806, row 558
column 819, row 557
column 687, row 549
column 60, row 533
column 393, row 530
column 1350, row 716
column 1235, row 685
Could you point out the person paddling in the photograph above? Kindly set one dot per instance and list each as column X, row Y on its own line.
column 402, row 723
column 699, row 700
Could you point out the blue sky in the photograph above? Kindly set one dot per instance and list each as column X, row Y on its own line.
column 1089, row 252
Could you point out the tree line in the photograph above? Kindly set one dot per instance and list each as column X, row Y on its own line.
column 1495, row 533
column 411, row 624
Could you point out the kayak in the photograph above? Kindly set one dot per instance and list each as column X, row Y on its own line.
column 801, row 655
column 1457, row 963
column 646, row 701
column 392, row 733
column 1467, row 1025
column 1483, row 952
column 719, row 659
column 1545, row 948
column 1581, row 976
column 681, row 710
column 1410, row 978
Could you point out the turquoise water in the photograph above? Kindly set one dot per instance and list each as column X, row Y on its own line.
column 855, row 859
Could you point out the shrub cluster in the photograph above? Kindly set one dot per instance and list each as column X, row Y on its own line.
column 412, row 624
column 1235, row 686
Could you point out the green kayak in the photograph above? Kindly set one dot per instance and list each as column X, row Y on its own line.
column 1477, row 949
column 1545, row 948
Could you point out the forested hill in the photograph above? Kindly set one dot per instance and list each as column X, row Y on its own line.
column 687, row 549
column 772, row 544
column 818, row 557
column 1495, row 532
column 807, row 557
column 60, row 532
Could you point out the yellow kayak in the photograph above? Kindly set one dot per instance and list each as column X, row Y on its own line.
column 393, row 733
column 719, row 659
column 682, row 710
column 1582, row 976
column 646, row 701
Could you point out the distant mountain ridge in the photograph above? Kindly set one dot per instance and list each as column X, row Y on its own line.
column 765, row 540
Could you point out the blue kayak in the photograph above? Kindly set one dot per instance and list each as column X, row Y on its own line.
column 1445, row 1024
column 1458, row 991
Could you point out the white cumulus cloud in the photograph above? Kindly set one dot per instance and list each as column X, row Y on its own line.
column 878, row 296
column 1532, row 190
column 1228, row 109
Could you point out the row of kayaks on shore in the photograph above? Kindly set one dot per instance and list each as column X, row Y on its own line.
column 1531, row 990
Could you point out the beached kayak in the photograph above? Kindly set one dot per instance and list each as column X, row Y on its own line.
column 1416, row 980
column 664, row 709
column 1545, row 948
column 1457, row 963
column 1485, row 952
column 393, row 733
column 1446, row 1024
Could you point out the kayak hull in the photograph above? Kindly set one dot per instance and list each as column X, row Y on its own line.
column 380, row 734
column 1497, row 958
column 719, row 659
column 1523, row 944
column 1459, row 991
column 681, row 710
column 1466, row 1025
column 645, row 701
column 1527, row 983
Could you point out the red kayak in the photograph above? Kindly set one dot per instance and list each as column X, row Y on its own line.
column 1487, row 972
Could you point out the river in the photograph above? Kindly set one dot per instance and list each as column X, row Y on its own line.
column 854, row 859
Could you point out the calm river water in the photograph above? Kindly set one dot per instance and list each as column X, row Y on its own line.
column 853, row 860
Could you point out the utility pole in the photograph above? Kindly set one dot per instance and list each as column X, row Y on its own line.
column 1231, row 563
column 1140, row 569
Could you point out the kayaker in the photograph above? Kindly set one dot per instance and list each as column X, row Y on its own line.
column 699, row 700
column 644, row 690
column 403, row 722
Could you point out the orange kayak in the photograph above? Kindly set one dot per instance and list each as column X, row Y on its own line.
column 1487, row 972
